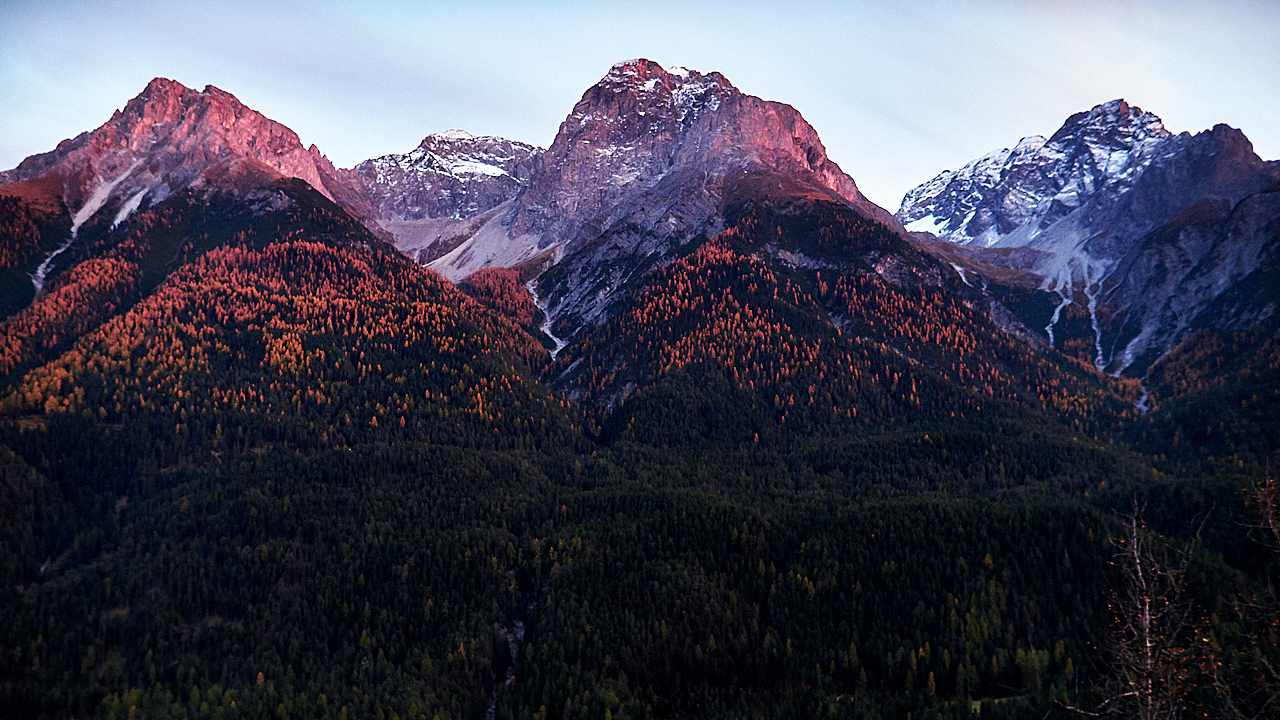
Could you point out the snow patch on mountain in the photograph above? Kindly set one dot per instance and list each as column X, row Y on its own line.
column 1038, row 181
column 1089, row 198
column 450, row 175
column 928, row 223
column 98, row 198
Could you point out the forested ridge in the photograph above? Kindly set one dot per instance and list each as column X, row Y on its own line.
column 31, row 224
column 259, row 464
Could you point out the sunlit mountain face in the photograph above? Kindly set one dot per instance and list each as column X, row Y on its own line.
column 663, row 420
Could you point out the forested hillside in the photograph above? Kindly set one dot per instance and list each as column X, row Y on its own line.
column 257, row 463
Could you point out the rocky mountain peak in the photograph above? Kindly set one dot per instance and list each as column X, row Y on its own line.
column 645, row 164
column 160, row 98
column 1012, row 195
column 168, row 113
column 638, row 98
column 634, row 69
column 646, row 78
column 642, row 124
column 452, row 174
column 505, row 154
column 169, row 138
column 1115, row 121
column 1141, row 223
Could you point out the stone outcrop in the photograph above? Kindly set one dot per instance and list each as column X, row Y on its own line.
column 1149, row 227
column 169, row 138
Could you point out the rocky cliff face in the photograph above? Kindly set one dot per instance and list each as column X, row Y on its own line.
column 1012, row 195
column 169, row 138
column 1128, row 219
column 641, row 123
column 1173, row 280
column 637, row 171
column 453, row 175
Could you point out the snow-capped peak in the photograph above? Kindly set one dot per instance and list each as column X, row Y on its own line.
column 1114, row 119
column 1086, row 199
column 455, row 135
column 1016, row 193
column 451, row 174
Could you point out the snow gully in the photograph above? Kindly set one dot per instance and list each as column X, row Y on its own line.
column 542, row 304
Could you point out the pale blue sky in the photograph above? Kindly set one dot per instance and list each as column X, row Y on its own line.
column 897, row 91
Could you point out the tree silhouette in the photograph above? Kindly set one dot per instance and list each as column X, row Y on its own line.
column 1153, row 636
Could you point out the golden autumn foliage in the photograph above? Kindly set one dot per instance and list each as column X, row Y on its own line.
column 1207, row 359
column 336, row 338
column 500, row 290
column 823, row 345
column 19, row 232
column 931, row 325
column 79, row 301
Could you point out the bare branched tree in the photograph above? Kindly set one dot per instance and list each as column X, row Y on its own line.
column 1266, row 493
column 1153, row 632
column 1248, row 681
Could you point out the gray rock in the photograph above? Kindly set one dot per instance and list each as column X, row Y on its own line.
column 636, row 172
column 452, row 175
column 1147, row 225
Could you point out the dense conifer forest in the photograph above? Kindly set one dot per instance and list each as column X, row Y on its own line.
column 258, row 464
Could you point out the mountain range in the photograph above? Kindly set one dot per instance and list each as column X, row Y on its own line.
column 1150, row 227
column 666, row 419
column 1140, row 228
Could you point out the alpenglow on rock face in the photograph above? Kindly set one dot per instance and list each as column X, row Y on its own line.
column 168, row 138
column 637, row 170
column 642, row 124
column 1140, row 222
